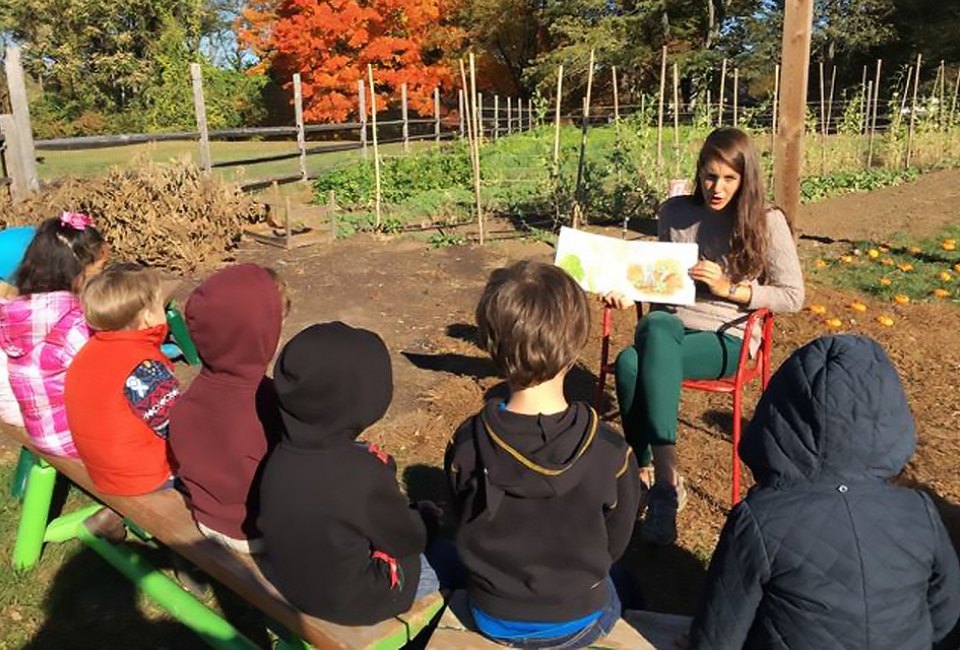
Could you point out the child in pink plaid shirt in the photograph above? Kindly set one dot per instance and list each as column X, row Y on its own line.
column 43, row 328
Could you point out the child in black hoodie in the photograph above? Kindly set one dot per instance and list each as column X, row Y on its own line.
column 340, row 539
column 547, row 494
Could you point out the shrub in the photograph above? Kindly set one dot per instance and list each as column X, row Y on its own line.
column 169, row 216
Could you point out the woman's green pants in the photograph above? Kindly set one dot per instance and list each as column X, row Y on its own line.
column 649, row 376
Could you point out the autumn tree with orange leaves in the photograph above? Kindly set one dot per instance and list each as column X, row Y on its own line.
column 330, row 43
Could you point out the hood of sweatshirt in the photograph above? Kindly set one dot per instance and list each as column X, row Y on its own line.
column 535, row 456
column 234, row 319
column 27, row 321
column 333, row 381
column 835, row 412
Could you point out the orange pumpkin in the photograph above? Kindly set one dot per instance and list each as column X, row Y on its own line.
column 901, row 299
column 886, row 321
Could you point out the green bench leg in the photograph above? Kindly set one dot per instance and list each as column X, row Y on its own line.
column 33, row 518
column 64, row 527
column 24, row 463
column 212, row 628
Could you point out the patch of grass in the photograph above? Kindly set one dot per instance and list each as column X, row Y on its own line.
column 924, row 270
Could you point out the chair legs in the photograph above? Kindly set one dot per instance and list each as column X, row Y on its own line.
column 33, row 518
column 24, row 463
column 737, row 410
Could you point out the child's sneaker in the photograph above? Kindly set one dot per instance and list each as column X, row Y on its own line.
column 660, row 525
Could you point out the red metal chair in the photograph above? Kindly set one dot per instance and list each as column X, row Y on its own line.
column 747, row 370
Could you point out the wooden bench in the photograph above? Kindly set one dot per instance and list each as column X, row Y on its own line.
column 634, row 631
column 165, row 516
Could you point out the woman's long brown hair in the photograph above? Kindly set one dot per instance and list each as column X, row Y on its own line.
column 748, row 239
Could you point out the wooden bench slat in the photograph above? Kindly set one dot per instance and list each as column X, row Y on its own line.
column 166, row 516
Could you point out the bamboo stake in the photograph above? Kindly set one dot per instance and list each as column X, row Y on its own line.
column 913, row 110
column 873, row 118
column 773, row 125
column 519, row 114
column 556, row 124
column 709, row 107
column 723, row 81
column 476, row 146
column 906, row 93
column 405, row 116
column 509, row 116
column 298, row 116
column 463, row 130
column 676, row 118
column 496, row 117
column 953, row 105
column 943, row 92
column 616, row 122
column 361, row 94
column 616, row 100
column 833, row 85
column 480, row 118
column 376, row 147
column 736, row 97
column 436, row 115
column 663, row 89
column 578, row 208
column 864, row 104
column 823, row 125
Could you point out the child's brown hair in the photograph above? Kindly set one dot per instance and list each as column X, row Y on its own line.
column 113, row 299
column 533, row 320
column 285, row 302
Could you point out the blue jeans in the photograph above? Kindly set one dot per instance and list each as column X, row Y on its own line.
column 440, row 568
column 609, row 615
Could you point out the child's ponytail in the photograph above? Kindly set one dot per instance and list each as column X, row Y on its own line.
column 60, row 252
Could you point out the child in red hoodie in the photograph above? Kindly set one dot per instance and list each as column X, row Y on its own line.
column 228, row 419
column 120, row 388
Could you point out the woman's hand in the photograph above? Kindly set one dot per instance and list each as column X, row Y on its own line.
column 711, row 274
column 616, row 300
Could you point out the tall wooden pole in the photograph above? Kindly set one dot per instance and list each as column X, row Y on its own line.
column 200, row 111
column 17, row 89
column 556, row 124
column 436, row 115
column 788, row 156
column 736, row 97
column 823, row 124
column 361, row 94
column 663, row 90
column 405, row 116
column 298, row 115
column 723, row 85
column 913, row 110
column 676, row 118
column 476, row 147
column 376, row 147
column 873, row 118
column 953, row 104
column 578, row 208
column 773, row 125
column 496, row 117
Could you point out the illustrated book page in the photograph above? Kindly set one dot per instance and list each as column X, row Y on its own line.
column 643, row 271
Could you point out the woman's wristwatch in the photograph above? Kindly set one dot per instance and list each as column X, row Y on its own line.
column 732, row 291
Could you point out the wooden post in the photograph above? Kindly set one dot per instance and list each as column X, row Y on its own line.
column 496, row 117
column 286, row 222
column 332, row 212
column 913, row 110
column 463, row 131
column 795, row 57
column 873, row 118
column 864, row 104
column 736, row 97
column 17, row 89
column 13, row 158
column 663, row 89
column 298, row 114
column 476, row 147
column 530, row 114
column 943, row 92
column 833, row 86
column 723, row 81
column 200, row 110
column 676, row 118
column 578, row 208
column 376, row 147
column 616, row 100
column 509, row 115
column 519, row 114
column 556, row 124
column 361, row 94
column 480, row 118
column 709, row 108
column 405, row 133
column 436, row 115
column 773, row 125
column 906, row 94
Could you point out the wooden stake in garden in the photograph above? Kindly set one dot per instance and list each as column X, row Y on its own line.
column 376, row 148
column 519, row 114
column 509, row 115
column 463, row 131
column 906, row 95
column 476, row 148
column 913, row 111
column 676, row 118
column 480, row 117
column 20, row 109
column 361, row 95
column 496, row 117
column 833, row 85
column 298, row 115
column 953, row 104
column 823, row 125
column 404, row 115
column 436, row 115
column 941, row 78
column 873, row 118
column 736, row 97
column 864, row 104
column 723, row 81
column 556, row 124
column 663, row 90
column 200, row 111
column 578, row 206
column 773, row 125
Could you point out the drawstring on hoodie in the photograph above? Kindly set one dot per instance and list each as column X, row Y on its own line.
column 391, row 564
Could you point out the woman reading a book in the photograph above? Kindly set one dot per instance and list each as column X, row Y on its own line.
column 748, row 260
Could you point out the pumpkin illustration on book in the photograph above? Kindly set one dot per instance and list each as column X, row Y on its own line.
column 663, row 277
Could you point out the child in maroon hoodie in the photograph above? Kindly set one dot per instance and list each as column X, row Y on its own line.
column 227, row 420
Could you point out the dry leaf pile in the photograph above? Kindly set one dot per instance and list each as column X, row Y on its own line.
column 168, row 215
